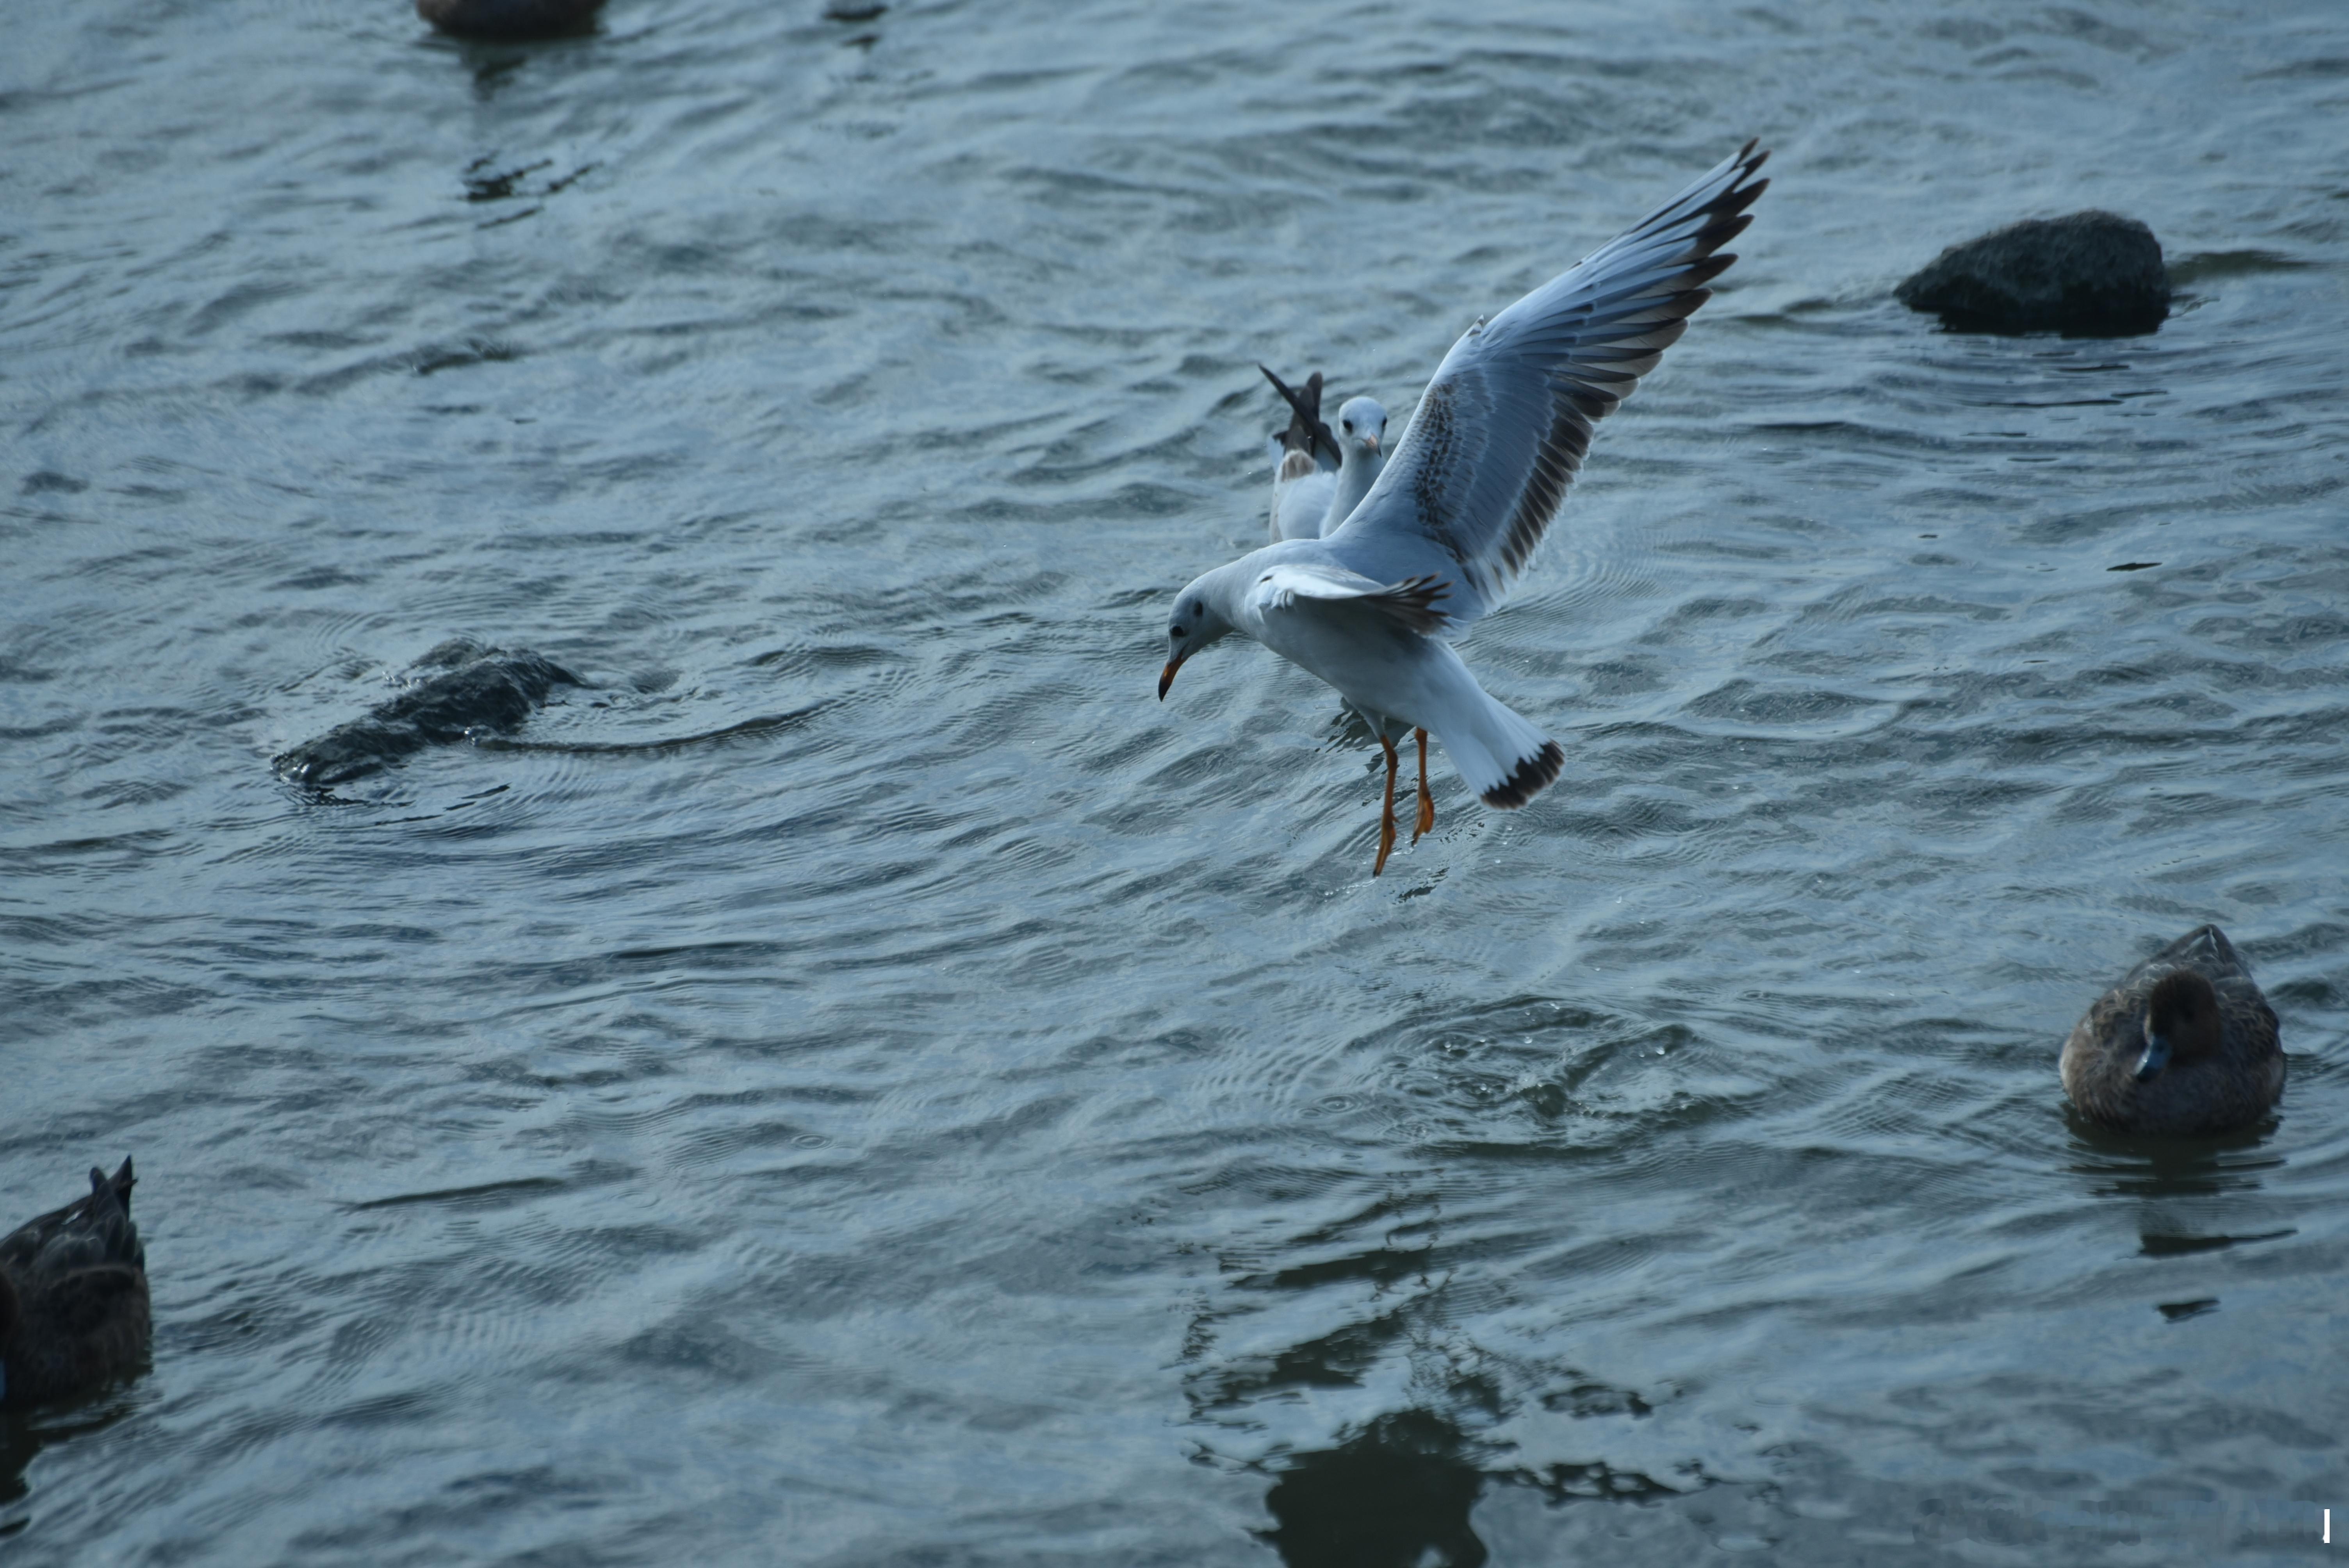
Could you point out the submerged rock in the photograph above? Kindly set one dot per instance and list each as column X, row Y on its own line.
column 2094, row 273
column 510, row 18
column 479, row 689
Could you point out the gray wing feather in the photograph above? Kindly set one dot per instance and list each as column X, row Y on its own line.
column 1409, row 606
column 1502, row 429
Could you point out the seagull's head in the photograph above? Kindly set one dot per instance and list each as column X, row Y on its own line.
column 1362, row 425
column 1194, row 624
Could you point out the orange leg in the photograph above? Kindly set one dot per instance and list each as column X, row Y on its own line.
column 1426, row 801
column 1386, row 818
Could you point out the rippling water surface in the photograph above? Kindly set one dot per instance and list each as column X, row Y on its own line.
column 860, row 1082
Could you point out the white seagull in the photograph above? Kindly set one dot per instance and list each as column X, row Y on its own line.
column 1455, row 514
column 1362, row 425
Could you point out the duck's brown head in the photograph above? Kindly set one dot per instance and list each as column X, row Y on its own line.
column 2181, row 1023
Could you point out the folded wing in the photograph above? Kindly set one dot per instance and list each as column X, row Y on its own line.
column 1409, row 606
column 1502, row 428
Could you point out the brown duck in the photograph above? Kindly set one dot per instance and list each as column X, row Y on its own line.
column 2184, row 1044
column 73, row 1295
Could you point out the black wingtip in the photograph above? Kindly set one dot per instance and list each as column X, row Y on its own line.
column 1305, row 405
column 1305, row 415
column 1534, row 774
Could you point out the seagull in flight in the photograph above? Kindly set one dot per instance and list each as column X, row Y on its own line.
column 1465, row 498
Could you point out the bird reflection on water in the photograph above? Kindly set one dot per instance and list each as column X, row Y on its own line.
column 25, row 1434
column 2182, row 1187
column 1396, row 1494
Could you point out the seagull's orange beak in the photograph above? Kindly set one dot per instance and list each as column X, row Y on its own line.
column 1167, row 677
column 1371, row 442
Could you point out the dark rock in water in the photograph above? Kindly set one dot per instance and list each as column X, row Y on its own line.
column 479, row 689
column 510, row 18
column 2092, row 273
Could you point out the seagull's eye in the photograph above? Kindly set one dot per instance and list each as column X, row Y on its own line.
column 1176, row 631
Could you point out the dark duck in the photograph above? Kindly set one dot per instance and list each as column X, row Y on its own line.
column 2185, row 1044
column 73, row 1295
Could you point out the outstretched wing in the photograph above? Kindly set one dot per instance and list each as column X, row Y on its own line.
column 1409, row 606
column 1499, row 433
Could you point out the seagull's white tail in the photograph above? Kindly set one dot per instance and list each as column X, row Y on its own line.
column 1502, row 758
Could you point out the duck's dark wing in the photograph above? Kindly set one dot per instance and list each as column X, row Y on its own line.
column 93, row 1300
column 75, row 1329
column 2249, row 1026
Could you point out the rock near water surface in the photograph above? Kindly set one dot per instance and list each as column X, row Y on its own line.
column 2092, row 273
column 477, row 690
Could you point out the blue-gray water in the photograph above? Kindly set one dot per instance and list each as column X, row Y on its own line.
column 864, row 1083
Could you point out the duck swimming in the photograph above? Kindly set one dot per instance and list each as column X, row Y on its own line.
column 2184, row 1044
column 73, row 1295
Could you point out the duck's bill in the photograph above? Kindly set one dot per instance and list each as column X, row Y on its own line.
column 2156, row 1058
